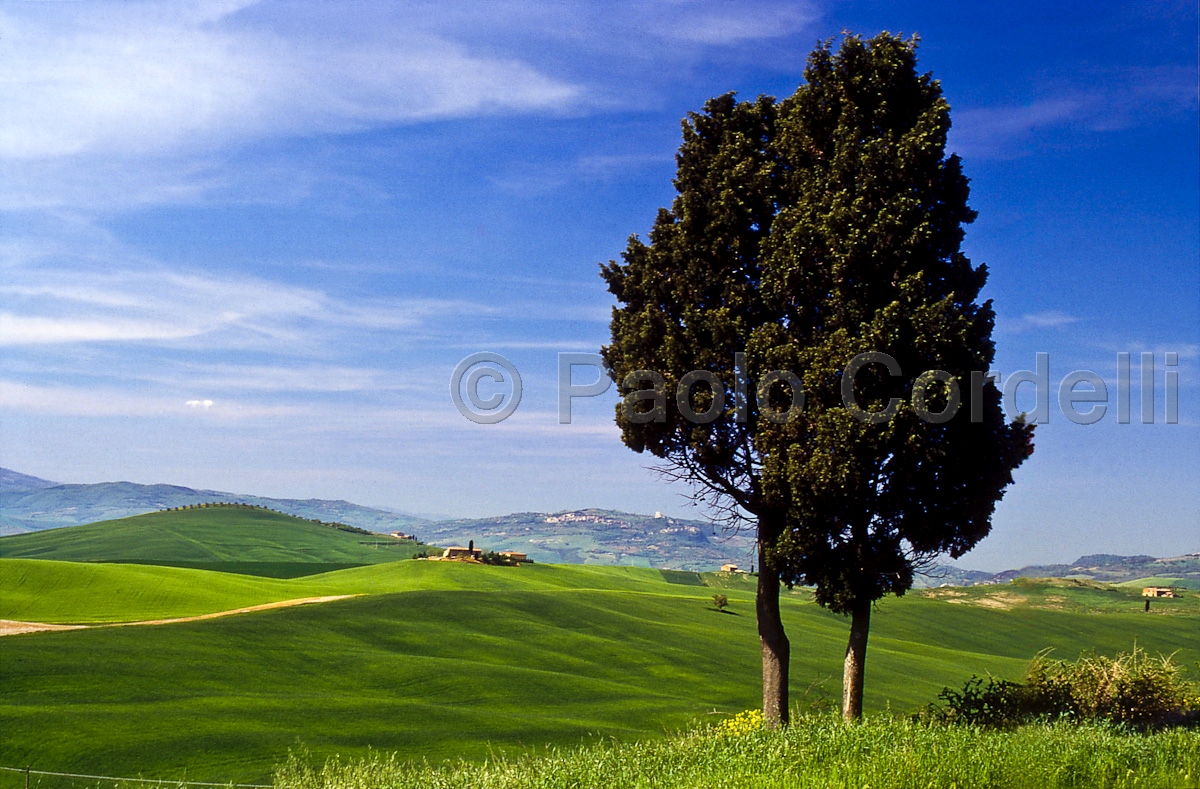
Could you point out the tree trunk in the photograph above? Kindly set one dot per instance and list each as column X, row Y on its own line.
column 776, row 650
column 856, row 662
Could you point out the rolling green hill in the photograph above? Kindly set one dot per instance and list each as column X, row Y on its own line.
column 1164, row 580
column 446, row 660
column 71, row 593
column 228, row 538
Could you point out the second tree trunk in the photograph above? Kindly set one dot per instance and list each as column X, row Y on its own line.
column 856, row 662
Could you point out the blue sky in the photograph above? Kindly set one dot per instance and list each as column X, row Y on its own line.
column 308, row 213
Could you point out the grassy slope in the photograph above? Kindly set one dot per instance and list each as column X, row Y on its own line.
column 73, row 593
column 1164, row 580
column 440, row 659
column 227, row 538
column 817, row 752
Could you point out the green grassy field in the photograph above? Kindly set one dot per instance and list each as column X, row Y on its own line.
column 443, row 660
column 1163, row 580
column 77, row 593
column 248, row 540
column 815, row 752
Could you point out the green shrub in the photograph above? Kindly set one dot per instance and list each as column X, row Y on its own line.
column 997, row 703
column 1131, row 688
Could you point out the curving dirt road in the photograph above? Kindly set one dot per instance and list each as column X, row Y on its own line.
column 11, row 627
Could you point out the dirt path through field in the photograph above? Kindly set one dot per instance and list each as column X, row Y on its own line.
column 11, row 627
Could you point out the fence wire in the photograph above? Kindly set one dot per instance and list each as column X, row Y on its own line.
column 30, row 771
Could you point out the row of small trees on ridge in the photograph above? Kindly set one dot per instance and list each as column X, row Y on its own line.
column 207, row 504
column 241, row 505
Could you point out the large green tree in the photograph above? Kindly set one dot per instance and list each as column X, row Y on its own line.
column 810, row 270
column 691, row 300
column 864, row 258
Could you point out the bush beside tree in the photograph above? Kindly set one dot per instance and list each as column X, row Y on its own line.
column 1132, row 688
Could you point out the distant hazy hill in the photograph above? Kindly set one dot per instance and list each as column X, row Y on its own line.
column 30, row 504
column 601, row 537
column 228, row 538
column 587, row 536
column 1181, row 571
column 12, row 481
column 582, row 537
column 949, row 575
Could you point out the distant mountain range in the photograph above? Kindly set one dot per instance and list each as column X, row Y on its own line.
column 583, row 537
column 577, row 537
column 14, row 481
column 1109, row 568
column 31, row 504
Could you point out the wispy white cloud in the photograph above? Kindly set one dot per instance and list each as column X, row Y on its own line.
column 69, row 305
column 1186, row 349
column 40, row 330
column 1052, row 319
column 105, row 298
column 350, row 419
column 143, row 78
column 534, row 179
column 112, row 105
column 672, row 27
column 301, row 377
column 278, row 378
column 999, row 132
column 97, row 401
column 727, row 23
column 117, row 103
column 1118, row 101
column 1036, row 321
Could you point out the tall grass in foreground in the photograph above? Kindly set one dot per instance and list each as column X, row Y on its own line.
column 814, row 753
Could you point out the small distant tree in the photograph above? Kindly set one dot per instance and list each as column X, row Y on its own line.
column 720, row 601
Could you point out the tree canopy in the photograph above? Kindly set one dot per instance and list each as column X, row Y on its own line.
column 802, row 339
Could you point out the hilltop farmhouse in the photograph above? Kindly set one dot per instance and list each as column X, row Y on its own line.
column 1159, row 591
column 459, row 553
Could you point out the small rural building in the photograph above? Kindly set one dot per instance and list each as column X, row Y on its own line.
column 1159, row 591
column 399, row 535
column 515, row 556
column 460, row 552
column 731, row 568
